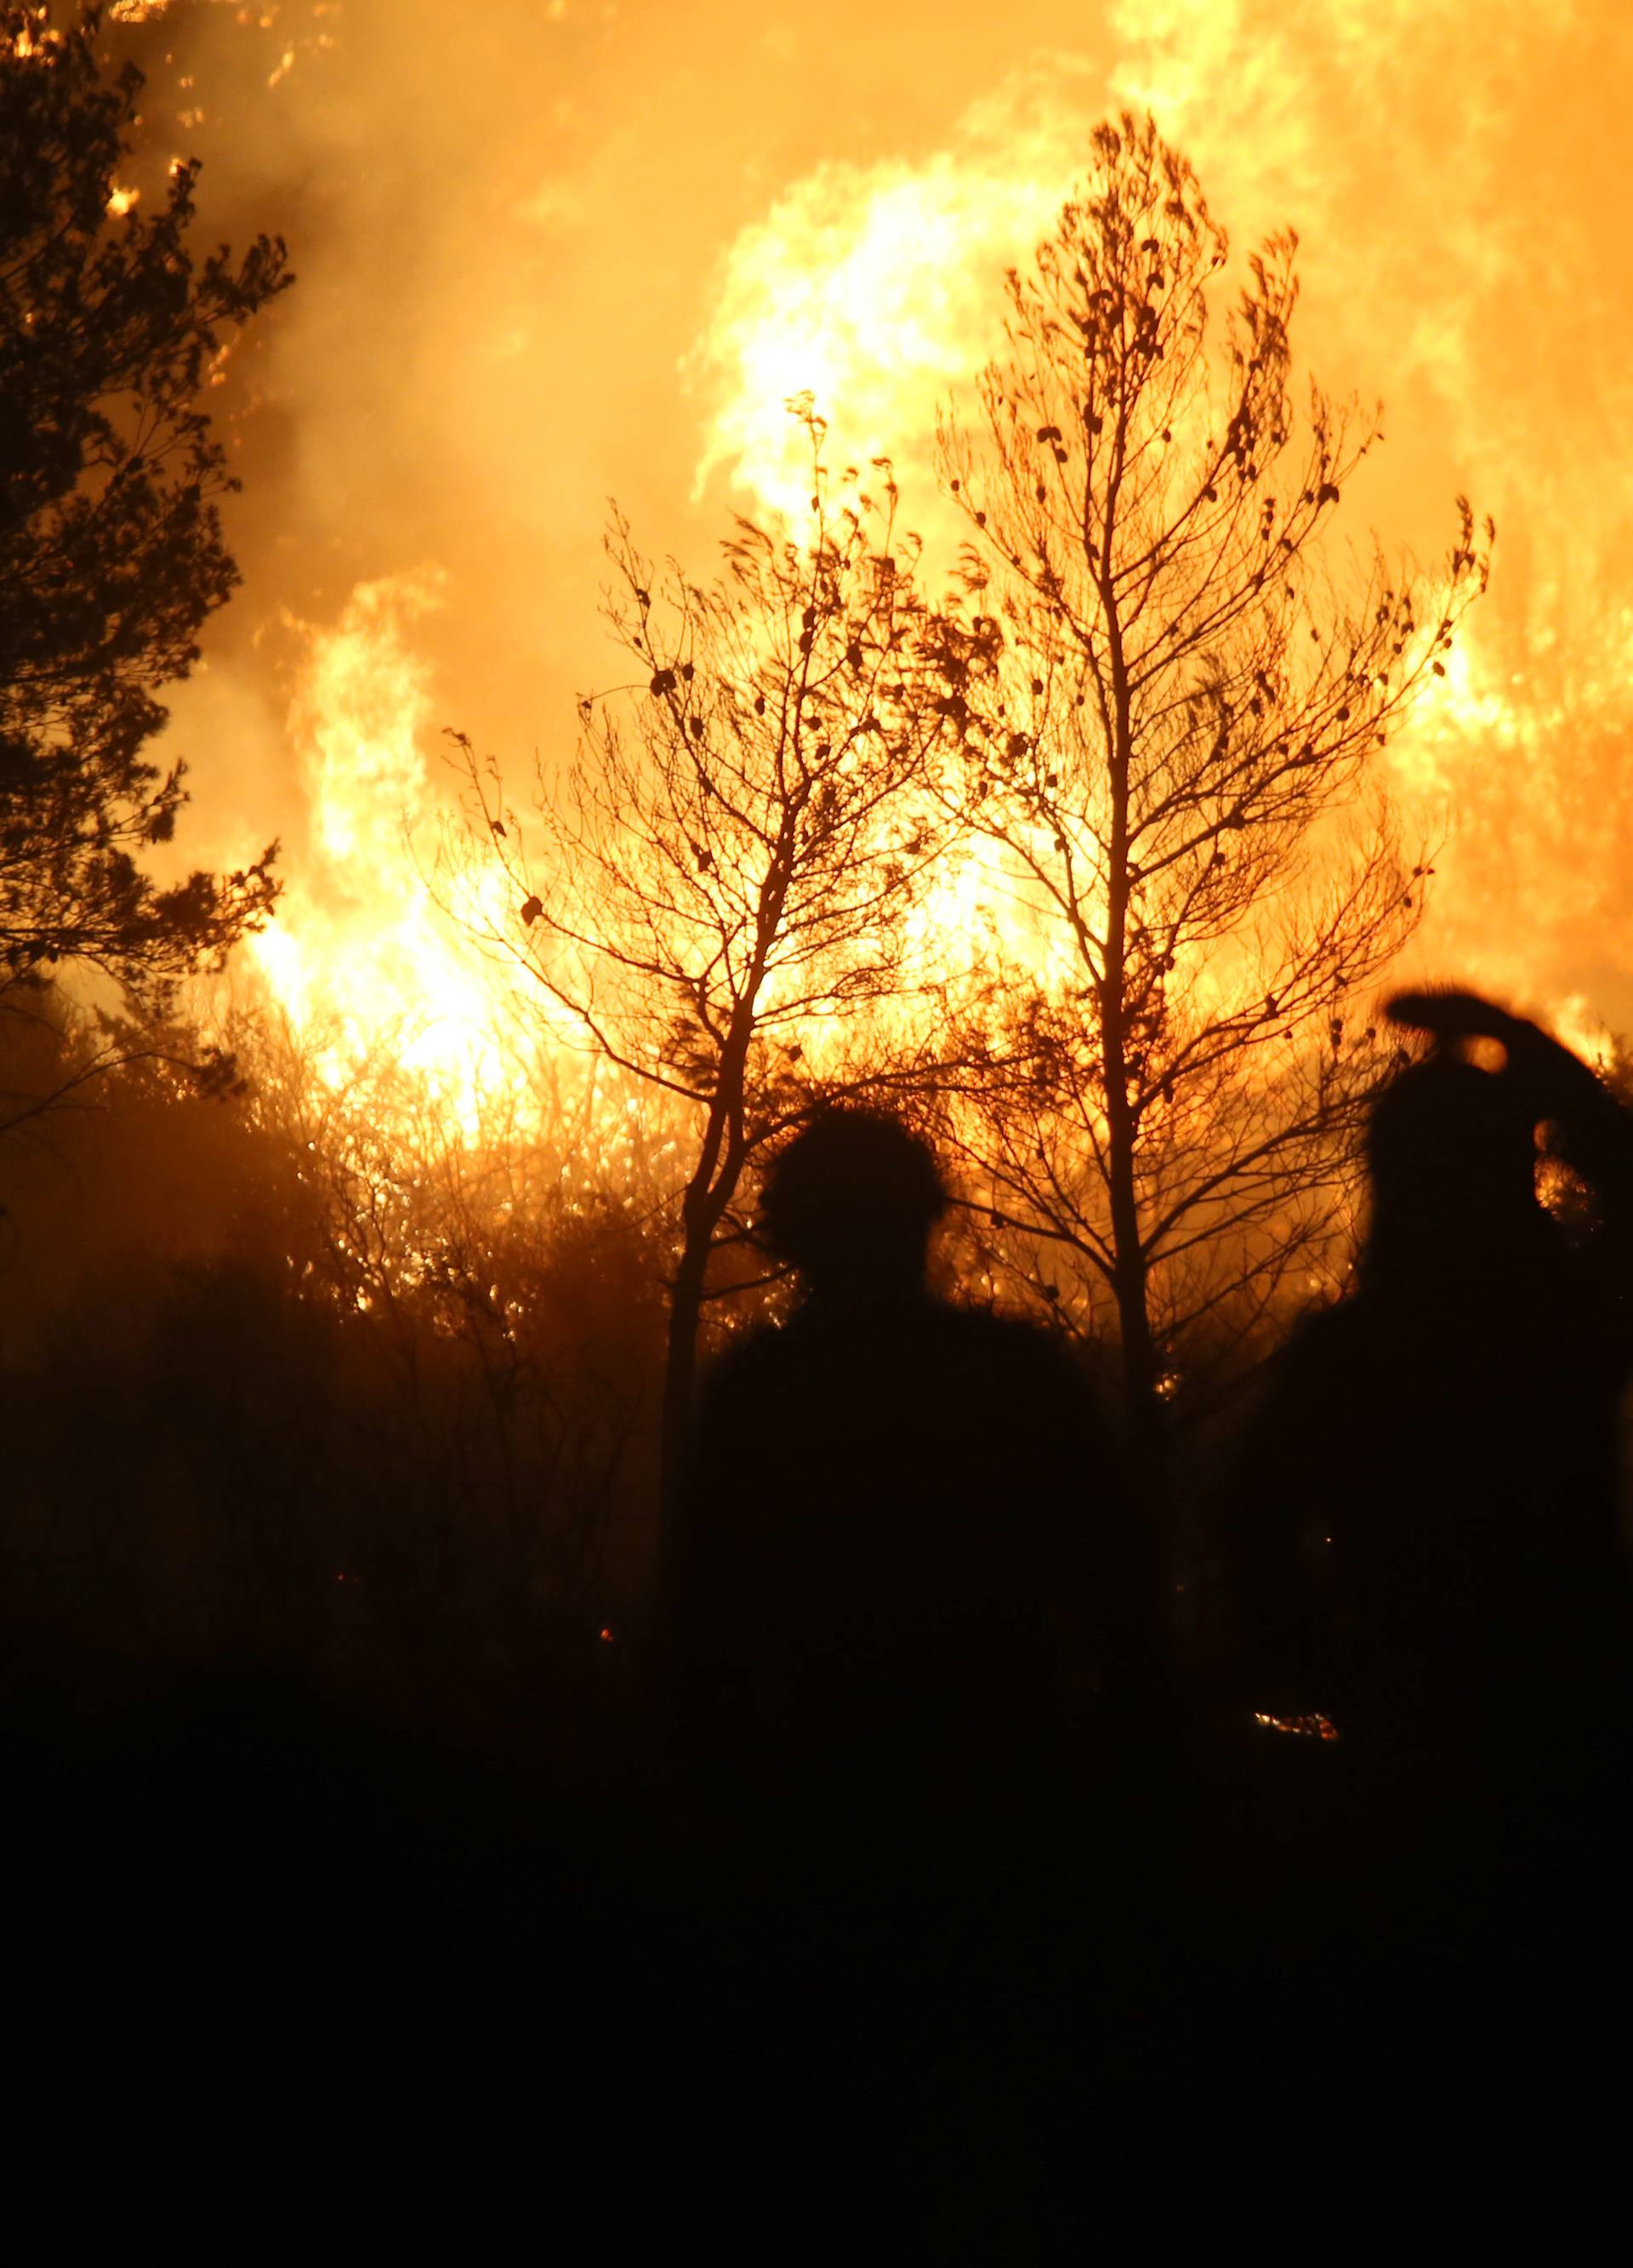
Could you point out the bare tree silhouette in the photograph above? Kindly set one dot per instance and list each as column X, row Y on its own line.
column 726, row 867
column 1167, row 705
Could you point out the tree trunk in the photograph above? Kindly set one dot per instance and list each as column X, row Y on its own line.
column 680, row 1360
column 1130, row 1286
column 1130, row 1279
column 711, row 1188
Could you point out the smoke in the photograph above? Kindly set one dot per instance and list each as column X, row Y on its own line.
column 1450, row 174
column 874, row 289
column 552, row 254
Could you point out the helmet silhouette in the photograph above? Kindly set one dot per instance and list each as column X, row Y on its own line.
column 852, row 1200
column 1447, row 1134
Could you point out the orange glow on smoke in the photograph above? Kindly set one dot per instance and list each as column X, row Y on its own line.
column 361, row 956
column 1461, row 258
column 875, row 284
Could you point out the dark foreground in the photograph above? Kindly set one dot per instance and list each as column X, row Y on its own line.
column 276, row 1962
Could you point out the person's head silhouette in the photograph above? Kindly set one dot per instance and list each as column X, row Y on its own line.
column 1451, row 1153
column 851, row 1201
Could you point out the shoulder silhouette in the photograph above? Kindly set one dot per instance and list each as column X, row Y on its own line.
column 908, row 1583
column 1425, row 1526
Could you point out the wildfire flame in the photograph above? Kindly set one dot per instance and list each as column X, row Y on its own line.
column 876, row 286
column 1454, row 262
column 362, row 953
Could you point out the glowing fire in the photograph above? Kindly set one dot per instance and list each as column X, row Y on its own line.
column 872, row 282
column 362, row 955
column 1312, row 1727
column 873, row 285
column 873, row 291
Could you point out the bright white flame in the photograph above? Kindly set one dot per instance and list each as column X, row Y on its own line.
column 877, row 287
column 870, row 288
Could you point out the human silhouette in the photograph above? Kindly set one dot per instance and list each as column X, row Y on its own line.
column 1425, row 1526
column 912, row 1620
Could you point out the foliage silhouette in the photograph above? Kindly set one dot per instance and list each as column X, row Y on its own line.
column 370, row 1409
column 112, row 555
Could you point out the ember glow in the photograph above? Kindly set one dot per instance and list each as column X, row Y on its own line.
column 1311, row 1726
column 609, row 249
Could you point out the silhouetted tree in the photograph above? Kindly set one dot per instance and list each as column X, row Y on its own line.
column 729, row 861
column 1167, row 709
column 111, row 549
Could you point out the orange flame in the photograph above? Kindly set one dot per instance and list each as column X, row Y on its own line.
column 1451, row 261
column 362, row 955
column 875, row 286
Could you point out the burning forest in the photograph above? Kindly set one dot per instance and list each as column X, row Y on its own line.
column 764, row 783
